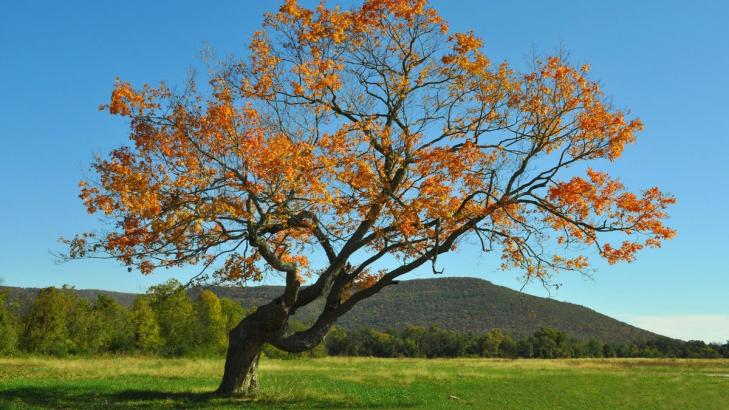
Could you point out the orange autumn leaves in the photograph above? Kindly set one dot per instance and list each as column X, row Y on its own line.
column 580, row 201
column 555, row 95
column 324, row 34
column 371, row 123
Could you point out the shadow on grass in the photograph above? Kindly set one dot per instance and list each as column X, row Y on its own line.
column 73, row 398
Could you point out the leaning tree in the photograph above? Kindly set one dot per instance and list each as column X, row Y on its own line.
column 372, row 141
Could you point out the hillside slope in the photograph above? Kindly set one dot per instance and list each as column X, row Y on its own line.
column 462, row 304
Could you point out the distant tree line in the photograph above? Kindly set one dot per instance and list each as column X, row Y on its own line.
column 546, row 343
column 167, row 321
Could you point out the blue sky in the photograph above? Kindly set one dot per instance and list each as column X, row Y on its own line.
column 668, row 61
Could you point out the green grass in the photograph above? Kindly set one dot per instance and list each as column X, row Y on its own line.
column 133, row 382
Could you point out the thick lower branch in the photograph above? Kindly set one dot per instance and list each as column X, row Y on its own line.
column 307, row 339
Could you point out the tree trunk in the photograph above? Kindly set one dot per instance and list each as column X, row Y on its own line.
column 245, row 343
column 241, row 364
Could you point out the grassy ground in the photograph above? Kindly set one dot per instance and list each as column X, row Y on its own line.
column 131, row 382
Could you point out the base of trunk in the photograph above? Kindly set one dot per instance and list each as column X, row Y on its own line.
column 241, row 368
column 245, row 343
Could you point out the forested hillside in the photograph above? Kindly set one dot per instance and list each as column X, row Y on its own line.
column 460, row 304
column 464, row 305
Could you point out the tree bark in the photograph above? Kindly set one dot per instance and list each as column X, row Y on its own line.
column 245, row 343
column 241, row 365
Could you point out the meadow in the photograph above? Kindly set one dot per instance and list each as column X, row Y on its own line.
column 135, row 382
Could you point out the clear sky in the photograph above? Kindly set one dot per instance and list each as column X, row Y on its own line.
column 668, row 61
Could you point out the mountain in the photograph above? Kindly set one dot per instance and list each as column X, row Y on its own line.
column 462, row 304
column 25, row 296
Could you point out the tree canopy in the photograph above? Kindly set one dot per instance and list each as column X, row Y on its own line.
column 371, row 130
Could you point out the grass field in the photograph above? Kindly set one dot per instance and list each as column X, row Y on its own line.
column 132, row 382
